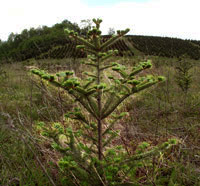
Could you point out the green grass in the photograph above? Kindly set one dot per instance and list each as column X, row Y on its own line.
column 22, row 102
column 18, row 165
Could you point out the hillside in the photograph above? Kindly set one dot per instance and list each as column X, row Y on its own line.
column 147, row 45
column 51, row 42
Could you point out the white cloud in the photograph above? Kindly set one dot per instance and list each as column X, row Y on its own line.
column 173, row 18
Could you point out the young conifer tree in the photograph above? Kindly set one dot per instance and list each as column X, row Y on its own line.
column 183, row 76
column 99, row 98
column 88, row 154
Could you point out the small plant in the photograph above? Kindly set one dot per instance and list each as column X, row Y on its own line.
column 184, row 77
column 89, row 157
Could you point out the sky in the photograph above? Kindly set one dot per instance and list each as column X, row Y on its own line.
column 108, row 2
column 168, row 18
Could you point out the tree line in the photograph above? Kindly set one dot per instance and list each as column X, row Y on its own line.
column 33, row 42
column 51, row 42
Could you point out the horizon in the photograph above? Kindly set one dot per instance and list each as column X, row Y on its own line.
column 159, row 18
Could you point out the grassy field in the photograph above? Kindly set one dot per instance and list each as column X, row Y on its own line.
column 155, row 115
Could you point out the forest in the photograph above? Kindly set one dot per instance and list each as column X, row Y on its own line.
column 78, row 108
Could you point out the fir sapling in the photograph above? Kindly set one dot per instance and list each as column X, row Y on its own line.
column 100, row 99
